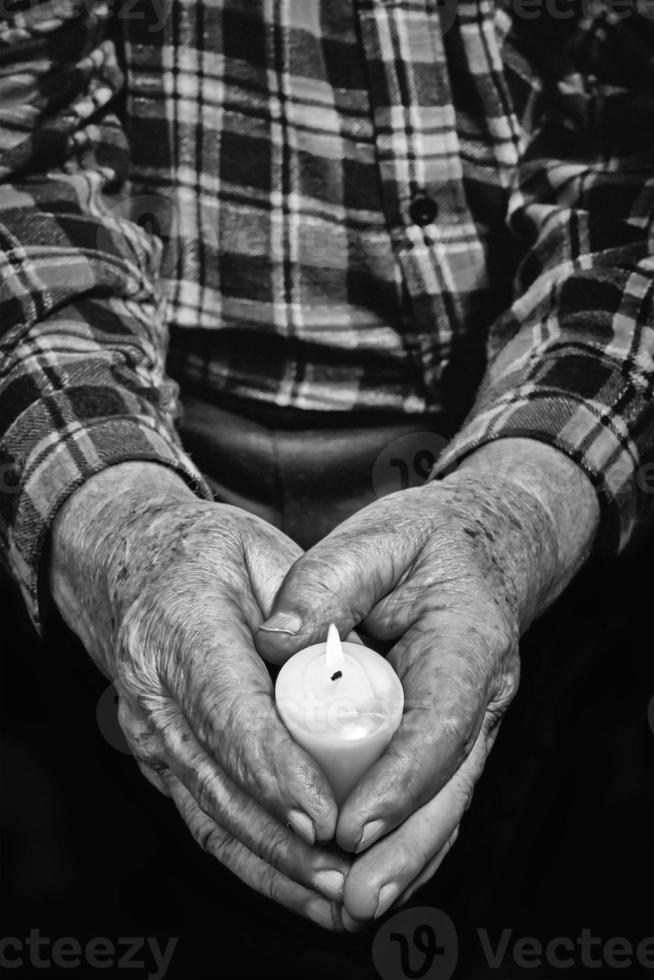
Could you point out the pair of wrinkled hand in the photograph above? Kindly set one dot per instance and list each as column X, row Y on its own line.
column 169, row 598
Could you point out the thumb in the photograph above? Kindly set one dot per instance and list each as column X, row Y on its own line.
column 338, row 581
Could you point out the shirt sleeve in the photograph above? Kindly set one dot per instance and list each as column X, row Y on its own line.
column 82, row 319
column 571, row 362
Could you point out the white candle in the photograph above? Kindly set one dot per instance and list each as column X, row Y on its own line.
column 341, row 702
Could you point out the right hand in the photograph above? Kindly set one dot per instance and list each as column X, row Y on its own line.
column 166, row 592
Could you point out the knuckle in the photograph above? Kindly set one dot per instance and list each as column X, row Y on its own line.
column 321, row 583
column 154, row 775
column 459, row 729
column 271, row 885
column 139, row 734
column 507, row 685
column 308, row 785
column 398, row 783
column 275, row 846
column 216, row 842
column 248, row 754
column 224, row 716
column 204, row 793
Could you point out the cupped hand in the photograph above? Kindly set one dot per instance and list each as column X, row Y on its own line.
column 452, row 572
column 166, row 591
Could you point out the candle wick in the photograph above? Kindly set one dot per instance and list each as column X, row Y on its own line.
column 339, row 673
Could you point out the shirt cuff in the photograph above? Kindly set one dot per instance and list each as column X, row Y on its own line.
column 586, row 431
column 32, row 495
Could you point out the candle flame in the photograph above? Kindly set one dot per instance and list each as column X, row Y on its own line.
column 334, row 652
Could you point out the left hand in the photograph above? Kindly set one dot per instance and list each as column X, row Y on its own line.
column 452, row 571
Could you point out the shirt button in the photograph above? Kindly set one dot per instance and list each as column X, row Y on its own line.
column 423, row 210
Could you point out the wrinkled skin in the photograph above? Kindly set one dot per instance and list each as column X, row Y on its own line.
column 417, row 568
column 166, row 591
column 453, row 572
column 169, row 595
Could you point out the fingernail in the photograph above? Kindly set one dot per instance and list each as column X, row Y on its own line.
column 303, row 826
column 330, row 883
column 370, row 833
column 281, row 622
column 352, row 925
column 387, row 896
column 319, row 911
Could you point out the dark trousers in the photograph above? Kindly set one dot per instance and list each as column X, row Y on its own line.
column 559, row 837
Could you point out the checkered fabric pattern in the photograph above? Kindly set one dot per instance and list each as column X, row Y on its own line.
column 367, row 205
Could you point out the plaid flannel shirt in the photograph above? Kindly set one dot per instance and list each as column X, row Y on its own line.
column 533, row 136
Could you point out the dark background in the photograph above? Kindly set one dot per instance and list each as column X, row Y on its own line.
column 559, row 837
